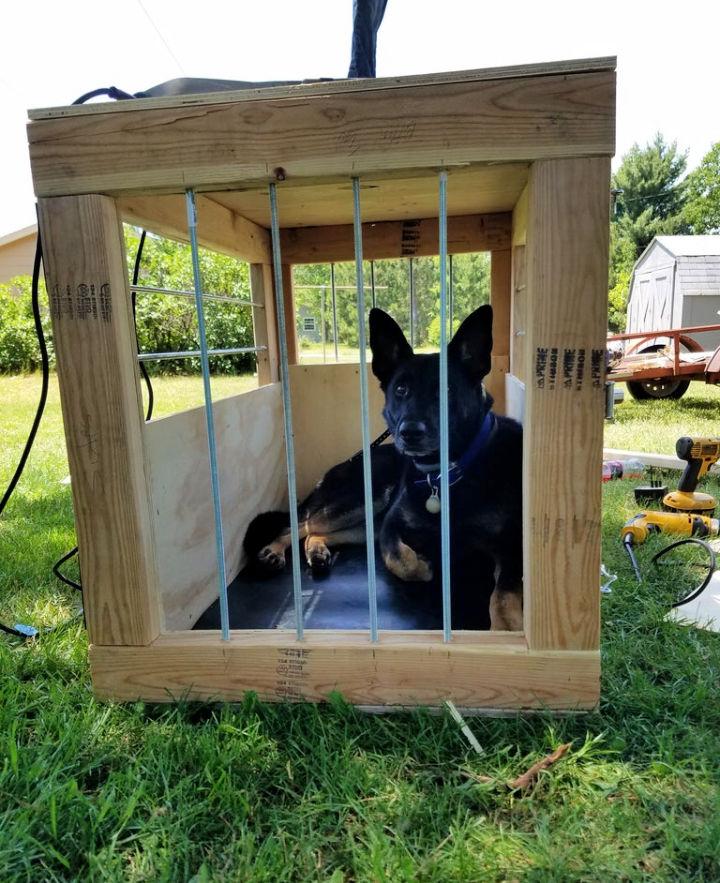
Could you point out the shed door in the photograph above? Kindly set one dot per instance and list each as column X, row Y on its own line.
column 662, row 302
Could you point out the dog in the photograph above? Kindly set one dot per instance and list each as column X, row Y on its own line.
column 485, row 478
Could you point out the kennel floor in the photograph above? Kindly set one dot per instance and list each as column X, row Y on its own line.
column 340, row 600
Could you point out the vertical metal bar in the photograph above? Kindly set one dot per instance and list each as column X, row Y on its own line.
column 364, row 412
column 334, row 309
column 212, row 450
column 444, row 432
column 412, row 304
column 287, row 412
column 451, row 293
column 372, row 281
column 322, row 322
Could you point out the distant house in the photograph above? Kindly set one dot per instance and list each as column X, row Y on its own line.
column 17, row 252
column 676, row 284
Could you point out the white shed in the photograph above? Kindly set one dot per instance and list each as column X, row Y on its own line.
column 676, row 284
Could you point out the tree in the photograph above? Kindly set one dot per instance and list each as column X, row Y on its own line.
column 702, row 211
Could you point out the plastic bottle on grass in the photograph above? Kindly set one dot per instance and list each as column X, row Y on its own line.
column 632, row 468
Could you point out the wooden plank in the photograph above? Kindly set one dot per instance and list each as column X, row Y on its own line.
column 661, row 461
column 265, row 322
column 326, row 417
column 219, row 228
column 567, row 266
column 519, row 219
column 404, row 195
column 518, row 330
column 94, row 339
column 501, row 304
column 387, row 673
column 334, row 87
column 395, row 239
column 290, row 320
column 251, row 467
column 241, row 143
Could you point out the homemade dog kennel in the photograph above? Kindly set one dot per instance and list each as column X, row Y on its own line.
column 527, row 156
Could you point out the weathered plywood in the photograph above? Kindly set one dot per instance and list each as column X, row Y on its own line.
column 567, row 266
column 479, row 188
column 244, row 142
column 94, row 339
column 253, row 479
column 219, row 228
column 395, row 239
column 326, row 417
column 473, row 674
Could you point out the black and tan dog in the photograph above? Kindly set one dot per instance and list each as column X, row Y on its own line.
column 485, row 477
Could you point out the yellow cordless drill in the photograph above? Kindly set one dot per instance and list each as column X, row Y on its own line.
column 690, row 511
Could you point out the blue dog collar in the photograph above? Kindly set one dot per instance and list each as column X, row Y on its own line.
column 457, row 470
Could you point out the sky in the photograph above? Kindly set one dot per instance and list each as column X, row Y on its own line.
column 52, row 52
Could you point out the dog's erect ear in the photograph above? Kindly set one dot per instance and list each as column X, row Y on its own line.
column 472, row 343
column 388, row 345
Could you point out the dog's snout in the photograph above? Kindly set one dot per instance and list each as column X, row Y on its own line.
column 412, row 431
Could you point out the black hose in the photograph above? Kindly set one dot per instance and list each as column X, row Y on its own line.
column 711, row 566
column 143, row 369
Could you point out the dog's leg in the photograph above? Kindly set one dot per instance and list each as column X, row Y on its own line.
column 318, row 546
column 272, row 556
column 405, row 563
column 506, row 612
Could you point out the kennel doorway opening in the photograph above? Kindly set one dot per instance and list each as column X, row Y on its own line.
column 539, row 188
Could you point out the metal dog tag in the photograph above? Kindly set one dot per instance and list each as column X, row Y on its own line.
column 432, row 504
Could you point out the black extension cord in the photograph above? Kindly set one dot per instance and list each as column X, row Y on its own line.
column 20, row 630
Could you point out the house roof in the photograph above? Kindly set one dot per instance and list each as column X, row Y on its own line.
column 689, row 246
column 18, row 234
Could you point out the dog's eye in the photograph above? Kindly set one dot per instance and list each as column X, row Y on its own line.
column 401, row 390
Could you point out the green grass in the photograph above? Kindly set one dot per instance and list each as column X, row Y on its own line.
column 102, row 791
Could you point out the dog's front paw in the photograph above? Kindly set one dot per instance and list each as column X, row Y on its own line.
column 406, row 564
column 271, row 559
column 318, row 557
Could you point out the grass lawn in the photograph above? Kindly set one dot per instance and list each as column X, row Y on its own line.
column 92, row 791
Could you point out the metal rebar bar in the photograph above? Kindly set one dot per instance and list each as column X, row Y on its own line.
column 364, row 415
column 287, row 413
column 372, row 282
column 176, row 292
column 212, row 450
column 334, row 309
column 196, row 354
column 444, row 430
column 412, row 302
column 451, row 293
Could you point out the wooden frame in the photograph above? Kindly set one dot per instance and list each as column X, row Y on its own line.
column 529, row 149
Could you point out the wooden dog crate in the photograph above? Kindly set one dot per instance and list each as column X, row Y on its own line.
column 527, row 150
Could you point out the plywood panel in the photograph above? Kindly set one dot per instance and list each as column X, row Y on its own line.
column 96, row 349
column 245, row 142
column 253, row 479
column 475, row 674
column 326, row 417
column 567, row 266
column 395, row 239
column 390, row 196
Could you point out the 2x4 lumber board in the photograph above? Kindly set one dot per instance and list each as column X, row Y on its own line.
column 243, row 143
column 519, row 314
column 219, row 228
column 290, row 320
column 567, row 266
column 252, row 477
column 395, row 239
column 391, row 672
column 334, row 87
column 94, row 337
column 264, row 322
column 500, row 300
column 519, row 219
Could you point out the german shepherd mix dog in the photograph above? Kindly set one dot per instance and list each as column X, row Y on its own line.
column 485, row 478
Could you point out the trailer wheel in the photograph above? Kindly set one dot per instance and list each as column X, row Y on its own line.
column 660, row 388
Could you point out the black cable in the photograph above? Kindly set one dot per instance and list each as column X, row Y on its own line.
column 61, row 576
column 143, row 369
column 711, row 566
column 110, row 91
column 45, row 363
column 628, row 544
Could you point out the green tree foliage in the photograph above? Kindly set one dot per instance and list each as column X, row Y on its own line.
column 650, row 203
column 471, row 288
column 19, row 349
column 702, row 211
